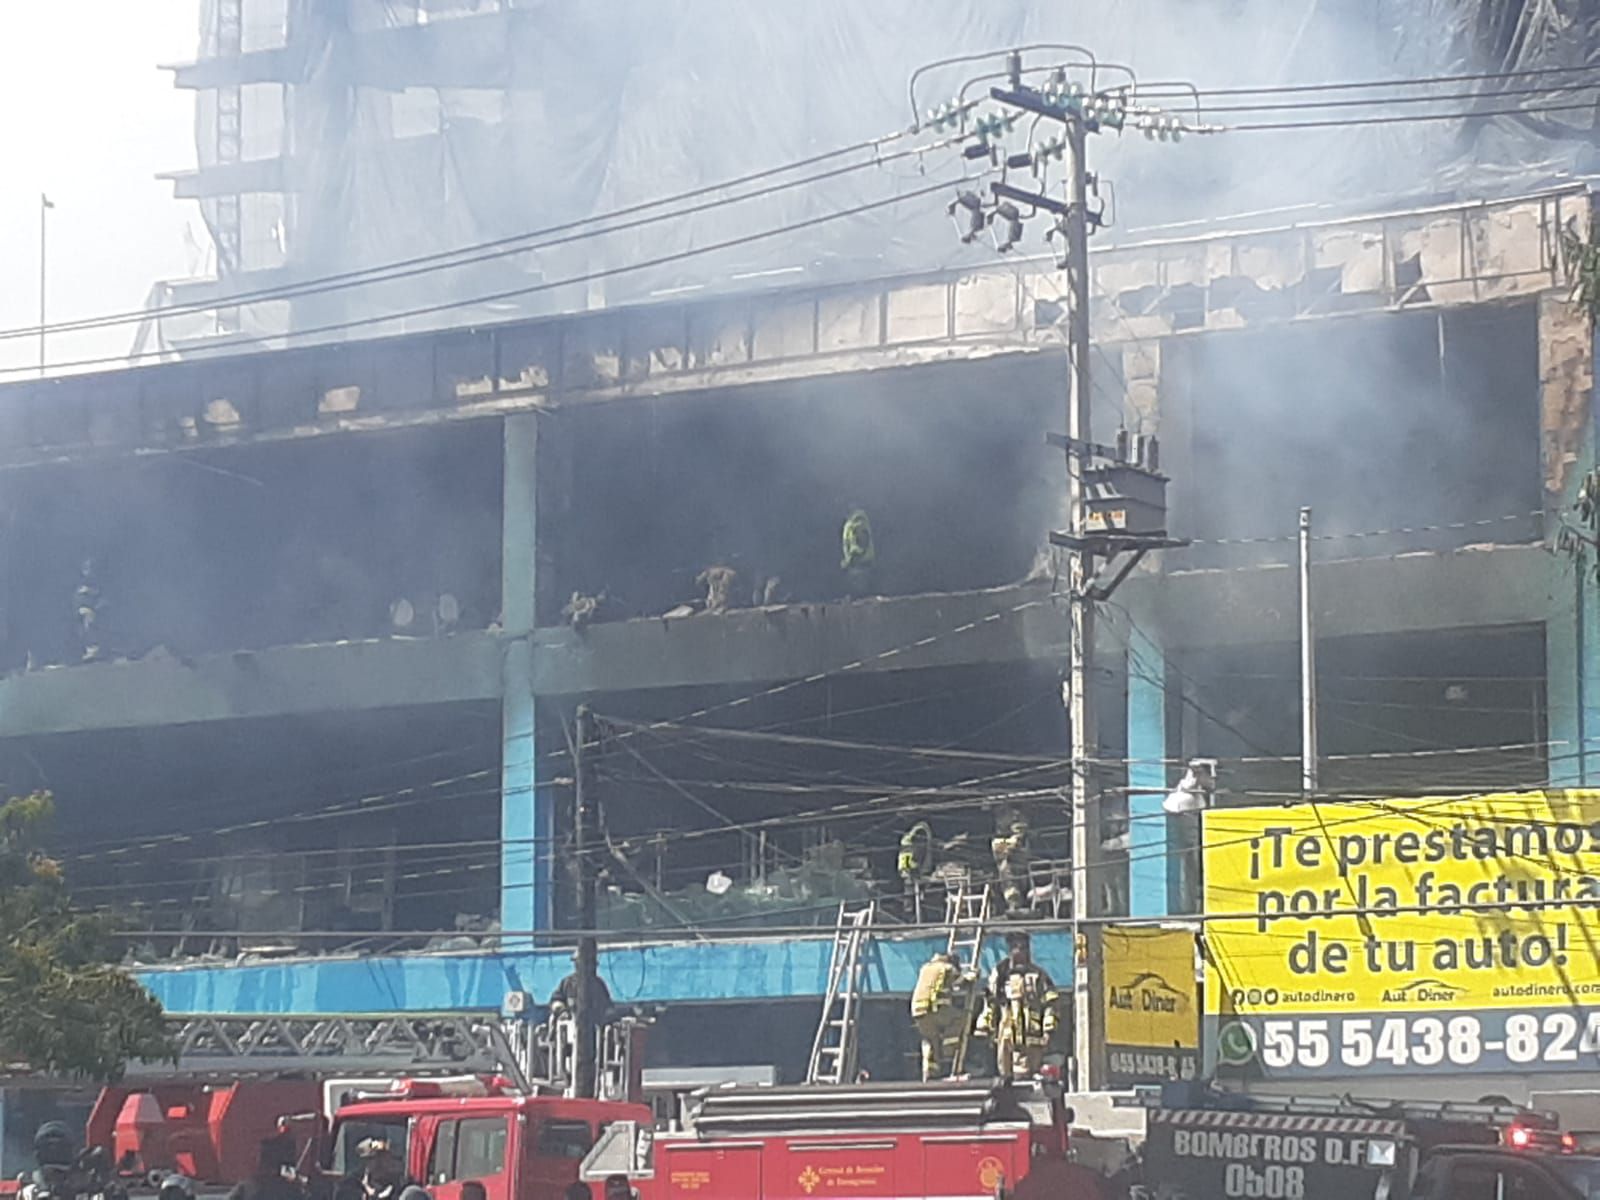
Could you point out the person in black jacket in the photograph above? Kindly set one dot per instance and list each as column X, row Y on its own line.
column 566, row 995
column 275, row 1177
column 382, row 1176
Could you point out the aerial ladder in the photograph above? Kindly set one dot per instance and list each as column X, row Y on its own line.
column 967, row 911
column 535, row 1057
column 834, row 1050
column 225, row 1046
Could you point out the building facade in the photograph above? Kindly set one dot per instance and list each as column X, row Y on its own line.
column 318, row 747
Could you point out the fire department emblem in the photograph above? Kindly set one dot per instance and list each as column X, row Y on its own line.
column 809, row 1180
column 991, row 1174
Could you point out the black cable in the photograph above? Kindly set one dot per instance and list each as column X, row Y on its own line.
column 1354, row 122
column 794, row 739
column 504, row 246
column 215, row 349
column 511, row 244
column 1352, row 85
column 1385, row 101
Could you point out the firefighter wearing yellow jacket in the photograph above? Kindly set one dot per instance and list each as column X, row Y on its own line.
column 937, row 1010
column 857, row 541
column 1021, row 1009
column 916, row 854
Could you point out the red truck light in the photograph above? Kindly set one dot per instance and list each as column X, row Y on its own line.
column 1529, row 1137
column 452, row 1086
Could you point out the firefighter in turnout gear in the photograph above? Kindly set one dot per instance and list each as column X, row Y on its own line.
column 1020, row 1012
column 914, row 862
column 857, row 540
column 86, row 610
column 1010, row 850
column 916, row 853
column 937, row 1010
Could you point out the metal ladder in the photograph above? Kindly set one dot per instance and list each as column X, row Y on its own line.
column 227, row 1046
column 833, row 1052
column 966, row 912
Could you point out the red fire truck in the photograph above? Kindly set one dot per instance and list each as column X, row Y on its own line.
column 210, row 1133
column 969, row 1140
column 519, row 1147
column 241, row 1079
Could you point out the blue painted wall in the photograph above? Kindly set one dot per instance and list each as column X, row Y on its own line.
column 526, row 821
column 680, row 971
column 1149, row 849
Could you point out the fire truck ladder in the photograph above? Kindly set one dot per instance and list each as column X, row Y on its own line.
column 966, row 912
column 228, row 1046
column 833, row 1053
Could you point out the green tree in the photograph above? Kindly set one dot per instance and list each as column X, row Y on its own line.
column 66, row 1007
column 1581, row 542
column 1580, row 260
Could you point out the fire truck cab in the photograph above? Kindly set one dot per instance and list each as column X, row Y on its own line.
column 447, row 1133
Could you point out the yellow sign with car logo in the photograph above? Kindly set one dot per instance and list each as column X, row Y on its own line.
column 1152, row 1010
column 1447, row 935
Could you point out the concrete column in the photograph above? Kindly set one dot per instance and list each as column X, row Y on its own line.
column 1149, row 846
column 1572, row 627
column 525, row 820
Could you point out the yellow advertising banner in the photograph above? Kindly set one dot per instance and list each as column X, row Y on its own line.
column 1437, row 934
column 1151, row 1003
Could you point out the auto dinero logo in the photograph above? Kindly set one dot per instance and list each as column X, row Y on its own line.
column 1147, row 992
column 1422, row 991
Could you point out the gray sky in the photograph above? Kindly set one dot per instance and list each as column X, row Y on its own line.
column 89, row 120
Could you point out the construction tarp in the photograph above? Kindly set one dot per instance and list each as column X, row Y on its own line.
column 398, row 128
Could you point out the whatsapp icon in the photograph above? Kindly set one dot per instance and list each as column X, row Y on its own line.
column 1236, row 1044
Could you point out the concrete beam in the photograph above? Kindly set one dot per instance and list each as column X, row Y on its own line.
column 280, row 681
column 1145, row 292
column 229, row 179
column 751, row 646
column 796, row 640
column 278, row 65
column 1474, row 587
column 1405, row 593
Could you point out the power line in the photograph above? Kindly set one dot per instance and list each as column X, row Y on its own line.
column 213, row 349
column 1385, row 101
column 1397, row 531
column 1400, row 119
column 843, row 811
column 513, row 243
column 629, row 937
column 847, row 668
column 377, row 802
column 504, row 246
column 1386, row 805
column 1353, row 85
column 790, row 739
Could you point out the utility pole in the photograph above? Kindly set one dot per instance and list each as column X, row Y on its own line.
column 45, row 206
column 1088, row 996
column 1117, row 503
column 587, row 960
column 1308, row 665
